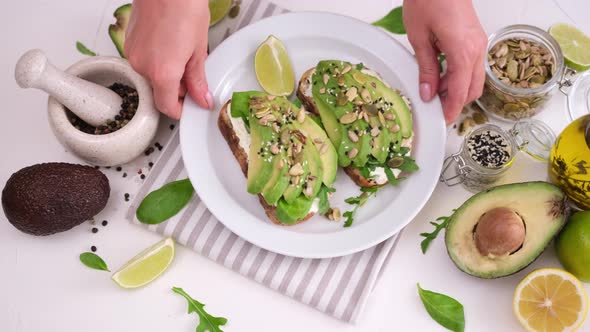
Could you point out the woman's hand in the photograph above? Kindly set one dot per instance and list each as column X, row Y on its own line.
column 451, row 27
column 167, row 43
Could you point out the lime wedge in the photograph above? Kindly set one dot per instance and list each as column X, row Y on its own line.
column 273, row 68
column 146, row 266
column 218, row 9
column 574, row 44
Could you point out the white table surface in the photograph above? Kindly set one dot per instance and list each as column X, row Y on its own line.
column 43, row 286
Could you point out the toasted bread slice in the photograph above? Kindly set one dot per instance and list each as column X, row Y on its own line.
column 310, row 106
column 227, row 130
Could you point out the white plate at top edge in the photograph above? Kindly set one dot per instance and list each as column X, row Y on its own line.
column 309, row 37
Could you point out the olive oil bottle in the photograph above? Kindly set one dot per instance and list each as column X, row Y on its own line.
column 569, row 165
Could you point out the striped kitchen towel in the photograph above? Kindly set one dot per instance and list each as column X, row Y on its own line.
column 337, row 286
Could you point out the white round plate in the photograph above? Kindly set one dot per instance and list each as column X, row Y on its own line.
column 309, row 37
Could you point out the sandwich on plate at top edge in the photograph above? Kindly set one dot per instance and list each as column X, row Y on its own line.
column 286, row 156
column 369, row 123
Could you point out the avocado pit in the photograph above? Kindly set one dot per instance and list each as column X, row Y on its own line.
column 500, row 231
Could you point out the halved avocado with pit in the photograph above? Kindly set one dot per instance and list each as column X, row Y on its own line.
column 501, row 231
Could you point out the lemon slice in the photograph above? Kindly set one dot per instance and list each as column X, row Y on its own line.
column 550, row 300
column 273, row 68
column 218, row 9
column 146, row 266
column 574, row 44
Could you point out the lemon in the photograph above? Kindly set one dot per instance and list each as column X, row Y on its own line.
column 550, row 300
column 573, row 245
column 146, row 266
column 218, row 9
column 273, row 68
column 574, row 44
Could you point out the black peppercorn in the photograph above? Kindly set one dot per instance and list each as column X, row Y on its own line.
column 93, row 248
column 94, row 230
column 104, row 222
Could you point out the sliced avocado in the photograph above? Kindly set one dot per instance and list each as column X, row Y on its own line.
column 380, row 149
column 314, row 163
column 290, row 213
column 117, row 31
column 294, row 189
column 261, row 161
column 278, row 182
column 501, row 231
column 398, row 105
column 240, row 105
column 329, row 157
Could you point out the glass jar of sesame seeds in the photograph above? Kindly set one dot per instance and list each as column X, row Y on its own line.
column 488, row 152
column 524, row 67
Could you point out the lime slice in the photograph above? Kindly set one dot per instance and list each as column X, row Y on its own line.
column 146, row 266
column 273, row 68
column 218, row 9
column 574, row 44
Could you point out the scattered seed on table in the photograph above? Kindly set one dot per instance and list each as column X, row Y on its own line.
column 142, row 176
column 96, row 167
column 94, row 230
column 150, row 164
column 104, row 222
column 124, row 175
column 172, row 126
column 126, row 197
column 93, row 248
column 149, row 151
column 108, row 167
column 119, row 169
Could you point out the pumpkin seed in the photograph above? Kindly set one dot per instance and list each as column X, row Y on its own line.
column 348, row 118
column 366, row 95
column 341, row 99
column 346, row 69
column 395, row 162
column 359, row 77
column 352, row 93
column 341, row 80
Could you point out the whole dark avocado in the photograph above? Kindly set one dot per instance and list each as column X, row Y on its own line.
column 49, row 198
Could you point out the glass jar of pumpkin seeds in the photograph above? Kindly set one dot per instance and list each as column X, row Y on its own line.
column 488, row 153
column 523, row 69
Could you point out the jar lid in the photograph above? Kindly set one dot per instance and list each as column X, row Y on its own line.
column 533, row 137
column 578, row 96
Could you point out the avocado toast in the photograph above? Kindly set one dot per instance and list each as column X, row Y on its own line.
column 369, row 123
column 287, row 158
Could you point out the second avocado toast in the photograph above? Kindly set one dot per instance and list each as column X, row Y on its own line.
column 369, row 123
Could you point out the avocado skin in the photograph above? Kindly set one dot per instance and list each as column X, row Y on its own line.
column 49, row 198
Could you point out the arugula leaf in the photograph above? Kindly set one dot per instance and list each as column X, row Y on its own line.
column 404, row 150
column 365, row 172
column 360, row 66
column 393, row 21
column 297, row 102
column 164, row 203
column 324, row 205
column 207, row 323
column 83, row 49
column 358, row 201
column 409, row 165
column 390, row 176
column 428, row 237
column 93, row 261
column 444, row 309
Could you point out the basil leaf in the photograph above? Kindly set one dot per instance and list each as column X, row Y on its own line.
column 164, row 203
column 393, row 21
column 93, row 261
column 83, row 49
column 206, row 321
column 445, row 310
column 324, row 205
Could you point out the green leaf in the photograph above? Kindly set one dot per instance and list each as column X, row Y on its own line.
column 93, row 261
column 324, row 205
column 393, row 21
column 349, row 218
column 409, row 165
column 360, row 66
column 297, row 102
column 207, row 323
column 390, row 176
column 358, row 201
column 445, row 310
column 365, row 172
column 428, row 237
column 404, row 150
column 164, row 203
column 83, row 49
